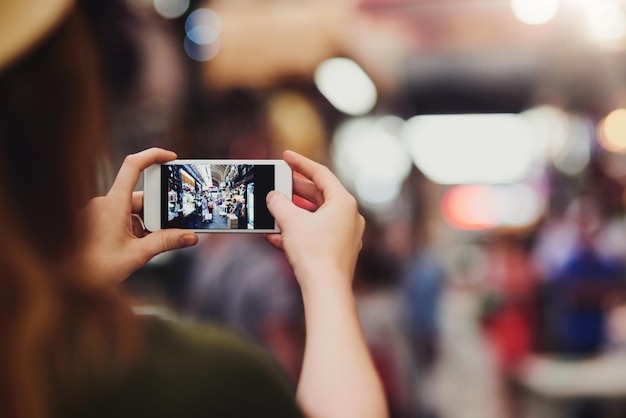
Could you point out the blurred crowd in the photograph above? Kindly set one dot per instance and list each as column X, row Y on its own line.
column 499, row 324
column 503, row 322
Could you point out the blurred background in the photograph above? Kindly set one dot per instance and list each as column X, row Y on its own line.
column 485, row 141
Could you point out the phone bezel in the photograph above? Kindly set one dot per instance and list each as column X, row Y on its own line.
column 283, row 182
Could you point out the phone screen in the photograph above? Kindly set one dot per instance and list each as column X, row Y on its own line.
column 216, row 196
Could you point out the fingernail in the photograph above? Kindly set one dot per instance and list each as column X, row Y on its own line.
column 188, row 240
column 270, row 195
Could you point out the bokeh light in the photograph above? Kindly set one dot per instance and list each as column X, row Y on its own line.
column 478, row 148
column 346, row 86
column 470, row 207
column 550, row 126
column 520, row 205
column 606, row 21
column 375, row 191
column 535, row 12
column 479, row 207
column 612, row 131
column 368, row 156
column 561, row 138
column 203, row 28
column 575, row 154
column 171, row 9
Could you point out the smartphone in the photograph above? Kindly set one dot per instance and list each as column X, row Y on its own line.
column 214, row 195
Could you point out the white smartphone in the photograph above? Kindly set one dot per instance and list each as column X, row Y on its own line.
column 214, row 195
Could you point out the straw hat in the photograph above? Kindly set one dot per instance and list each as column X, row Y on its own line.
column 24, row 23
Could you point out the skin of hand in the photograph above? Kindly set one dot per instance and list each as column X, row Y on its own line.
column 115, row 243
column 335, row 214
column 338, row 377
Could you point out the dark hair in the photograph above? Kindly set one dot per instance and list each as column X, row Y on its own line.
column 51, row 143
column 51, row 135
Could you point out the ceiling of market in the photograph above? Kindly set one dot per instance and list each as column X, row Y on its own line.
column 448, row 55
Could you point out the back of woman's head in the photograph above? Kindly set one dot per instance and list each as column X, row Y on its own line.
column 51, row 141
column 50, row 137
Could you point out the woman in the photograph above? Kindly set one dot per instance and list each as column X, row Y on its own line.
column 70, row 344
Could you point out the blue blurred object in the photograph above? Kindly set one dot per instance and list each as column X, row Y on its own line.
column 576, row 302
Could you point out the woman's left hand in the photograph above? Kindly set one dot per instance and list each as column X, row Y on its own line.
column 115, row 242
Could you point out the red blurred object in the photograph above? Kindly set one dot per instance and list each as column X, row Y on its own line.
column 300, row 201
column 471, row 207
column 510, row 335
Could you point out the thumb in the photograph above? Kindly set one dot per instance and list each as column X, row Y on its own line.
column 167, row 240
column 279, row 206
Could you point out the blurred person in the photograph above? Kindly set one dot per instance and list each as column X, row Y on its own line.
column 379, row 301
column 579, row 278
column 585, row 387
column 581, row 224
column 238, row 210
column 207, row 208
column 423, row 283
column 70, row 342
column 465, row 381
column 511, row 291
column 198, row 214
column 575, row 302
column 509, row 314
column 263, row 302
column 577, row 281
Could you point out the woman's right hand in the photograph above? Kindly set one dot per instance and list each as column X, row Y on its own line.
column 338, row 377
column 325, row 240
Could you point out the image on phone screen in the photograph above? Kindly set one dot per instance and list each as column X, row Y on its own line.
column 216, row 196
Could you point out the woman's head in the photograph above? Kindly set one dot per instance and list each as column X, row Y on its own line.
column 51, row 127
column 23, row 25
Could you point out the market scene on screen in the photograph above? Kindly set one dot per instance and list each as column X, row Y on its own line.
column 209, row 196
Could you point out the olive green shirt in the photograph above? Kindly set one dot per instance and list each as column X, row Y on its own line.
column 191, row 370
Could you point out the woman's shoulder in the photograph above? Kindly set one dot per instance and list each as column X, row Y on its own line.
column 205, row 344
column 195, row 370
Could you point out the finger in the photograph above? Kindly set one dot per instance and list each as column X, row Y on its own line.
column 306, row 189
column 281, row 207
column 276, row 240
column 137, row 202
column 320, row 175
column 165, row 240
column 304, row 204
column 133, row 165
